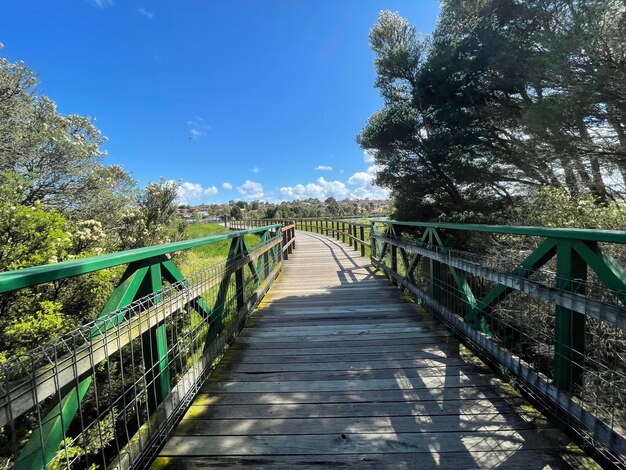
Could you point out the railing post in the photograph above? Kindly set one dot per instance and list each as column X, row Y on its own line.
column 343, row 232
column 283, row 244
column 240, row 284
column 154, row 343
column 362, row 231
column 373, row 253
column 571, row 274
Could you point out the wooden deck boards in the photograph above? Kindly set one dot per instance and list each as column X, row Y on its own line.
column 337, row 370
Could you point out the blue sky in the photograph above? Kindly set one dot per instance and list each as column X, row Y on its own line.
column 240, row 99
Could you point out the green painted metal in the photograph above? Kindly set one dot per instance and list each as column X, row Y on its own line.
column 576, row 250
column 432, row 288
column 147, row 267
column 222, row 293
column 14, row 280
column 44, row 442
column 607, row 236
column 154, row 342
column 539, row 257
column 172, row 275
column 569, row 325
column 607, row 269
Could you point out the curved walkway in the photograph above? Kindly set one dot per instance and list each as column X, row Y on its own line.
column 338, row 369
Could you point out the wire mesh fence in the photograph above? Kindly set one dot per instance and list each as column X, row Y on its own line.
column 115, row 387
column 560, row 338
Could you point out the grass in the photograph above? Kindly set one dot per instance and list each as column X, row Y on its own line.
column 200, row 258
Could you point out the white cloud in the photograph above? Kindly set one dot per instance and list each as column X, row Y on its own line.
column 255, row 169
column 193, row 193
column 227, row 185
column 323, row 168
column 143, row 12
column 321, row 189
column 370, row 192
column 251, row 190
column 362, row 182
column 360, row 177
column 369, row 156
column 198, row 127
column 365, row 181
column 101, row 3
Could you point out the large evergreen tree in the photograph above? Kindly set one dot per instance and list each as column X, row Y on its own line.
column 507, row 96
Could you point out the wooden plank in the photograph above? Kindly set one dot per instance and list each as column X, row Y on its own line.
column 341, row 443
column 313, row 374
column 338, row 309
column 360, row 425
column 333, row 331
column 347, row 396
column 429, row 409
column 358, row 396
column 330, row 320
column 375, row 288
column 401, row 383
column 395, row 364
column 521, row 459
column 339, row 347
column 334, row 298
column 258, row 357
column 264, row 326
column 332, row 340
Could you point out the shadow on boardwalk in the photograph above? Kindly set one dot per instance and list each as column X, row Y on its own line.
column 337, row 369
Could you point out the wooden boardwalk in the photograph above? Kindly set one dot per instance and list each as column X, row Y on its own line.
column 337, row 369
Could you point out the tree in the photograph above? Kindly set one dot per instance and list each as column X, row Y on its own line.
column 235, row 212
column 56, row 153
column 152, row 218
column 332, row 207
column 506, row 97
column 32, row 235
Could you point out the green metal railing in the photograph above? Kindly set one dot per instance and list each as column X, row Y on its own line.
column 242, row 224
column 545, row 306
column 287, row 229
column 108, row 393
column 354, row 233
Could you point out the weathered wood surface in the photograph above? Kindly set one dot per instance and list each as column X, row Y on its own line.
column 337, row 369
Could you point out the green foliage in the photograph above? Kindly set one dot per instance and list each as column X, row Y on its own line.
column 91, row 442
column 152, row 219
column 27, row 330
column 235, row 212
column 506, row 97
column 197, row 259
column 554, row 207
column 55, row 152
column 29, row 234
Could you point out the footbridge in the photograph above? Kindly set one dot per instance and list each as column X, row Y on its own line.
column 334, row 343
